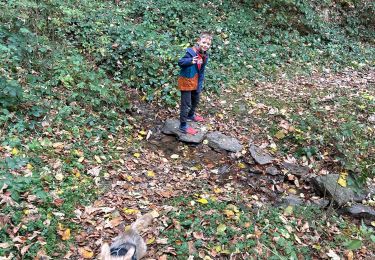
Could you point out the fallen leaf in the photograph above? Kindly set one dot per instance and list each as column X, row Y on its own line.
column 97, row 158
column 130, row 211
column 65, row 234
column 333, row 255
column 175, row 156
column 150, row 241
column 136, row 155
column 59, row 176
column 221, row 228
column 288, row 210
column 86, row 253
column 342, row 179
column 202, row 200
column 15, row 151
column 4, row 245
column 150, row 174
column 280, row 134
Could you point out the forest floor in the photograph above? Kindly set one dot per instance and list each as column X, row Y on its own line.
column 211, row 204
column 222, row 205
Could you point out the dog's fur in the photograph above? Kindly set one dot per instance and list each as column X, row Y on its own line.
column 129, row 242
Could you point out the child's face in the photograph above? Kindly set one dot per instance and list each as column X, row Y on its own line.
column 204, row 44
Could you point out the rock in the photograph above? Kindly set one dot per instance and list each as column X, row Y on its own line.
column 223, row 169
column 219, row 141
column 321, row 203
column 361, row 211
column 272, row 171
column 255, row 170
column 260, row 156
column 371, row 119
column 295, row 169
column 171, row 127
column 328, row 186
column 292, row 200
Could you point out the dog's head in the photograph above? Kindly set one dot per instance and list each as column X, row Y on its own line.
column 124, row 251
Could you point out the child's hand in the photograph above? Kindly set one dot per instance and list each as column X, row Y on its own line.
column 195, row 60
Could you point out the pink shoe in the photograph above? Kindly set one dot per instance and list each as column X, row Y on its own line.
column 196, row 118
column 191, row 131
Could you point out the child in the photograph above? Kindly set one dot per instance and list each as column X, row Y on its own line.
column 190, row 81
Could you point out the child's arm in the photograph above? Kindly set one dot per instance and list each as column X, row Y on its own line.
column 187, row 60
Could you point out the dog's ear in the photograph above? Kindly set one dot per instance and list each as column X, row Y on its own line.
column 105, row 253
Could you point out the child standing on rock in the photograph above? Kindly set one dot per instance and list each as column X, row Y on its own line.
column 190, row 81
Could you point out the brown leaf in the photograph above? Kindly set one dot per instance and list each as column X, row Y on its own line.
column 198, row 235
column 86, row 252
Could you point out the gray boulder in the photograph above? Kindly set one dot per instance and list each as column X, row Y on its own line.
column 171, row 127
column 260, row 156
column 219, row 141
column 292, row 200
column 272, row 170
column 327, row 185
column 295, row 169
column 361, row 211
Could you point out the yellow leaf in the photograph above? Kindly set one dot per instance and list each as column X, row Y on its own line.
column 29, row 166
column 217, row 248
column 150, row 174
column 97, row 158
column 80, row 159
column 217, row 190
column 241, row 165
column 60, row 226
column 136, row 155
column 129, row 178
column 130, row 211
column 229, row 213
column 342, row 179
column 150, row 240
column 76, row 173
column 202, row 200
column 66, row 234
column 205, row 141
column 15, row 151
column 373, row 223
column 292, row 191
column 86, row 253
column 221, row 116
column 142, row 132
column 78, row 153
column 280, row 134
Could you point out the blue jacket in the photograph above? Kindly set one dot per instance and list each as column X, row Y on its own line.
column 191, row 78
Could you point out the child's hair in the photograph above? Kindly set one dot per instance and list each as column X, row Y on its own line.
column 206, row 35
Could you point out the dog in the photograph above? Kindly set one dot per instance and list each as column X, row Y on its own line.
column 129, row 245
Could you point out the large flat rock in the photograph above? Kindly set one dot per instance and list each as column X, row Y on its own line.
column 328, row 186
column 171, row 127
column 361, row 211
column 219, row 141
column 260, row 156
column 296, row 169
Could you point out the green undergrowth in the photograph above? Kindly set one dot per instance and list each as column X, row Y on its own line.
column 214, row 229
column 66, row 66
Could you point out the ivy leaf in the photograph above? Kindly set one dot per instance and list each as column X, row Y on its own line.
column 220, row 229
column 354, row 244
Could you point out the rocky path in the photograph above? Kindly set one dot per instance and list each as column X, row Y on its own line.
column 235, row 156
